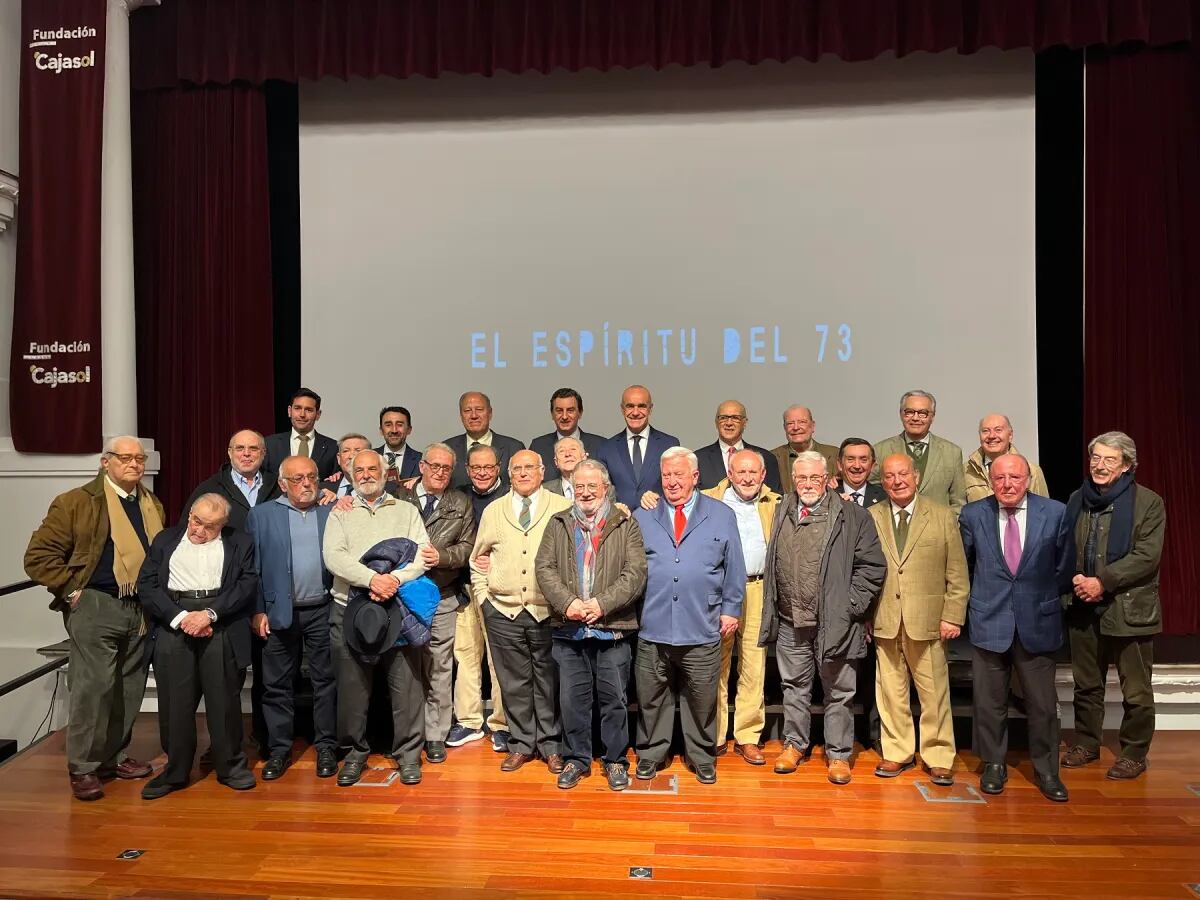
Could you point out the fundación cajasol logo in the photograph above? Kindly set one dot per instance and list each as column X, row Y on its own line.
column 56, row 61
column 55, row 376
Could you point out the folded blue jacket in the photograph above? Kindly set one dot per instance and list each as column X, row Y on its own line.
column 416, row 601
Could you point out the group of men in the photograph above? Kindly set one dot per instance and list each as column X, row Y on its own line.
column 581, row 562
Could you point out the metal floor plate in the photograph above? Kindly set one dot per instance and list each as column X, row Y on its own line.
column 956, row 793
column 661, row 783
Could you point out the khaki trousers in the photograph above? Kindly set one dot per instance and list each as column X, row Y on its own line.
column 470, row 647
column 902, row 658
column 750, row 708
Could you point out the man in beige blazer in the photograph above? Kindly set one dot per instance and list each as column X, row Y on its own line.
column 515, row 612
column 923, row 604
column 938, row 462
column 753, row 504
column 995, row 440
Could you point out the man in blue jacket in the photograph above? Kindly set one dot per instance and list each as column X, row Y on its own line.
column 695, row 585
column 1017, row 550
column 292, row 614
column 632, row 455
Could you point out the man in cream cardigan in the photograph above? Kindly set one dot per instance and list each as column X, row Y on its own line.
column 516, row 614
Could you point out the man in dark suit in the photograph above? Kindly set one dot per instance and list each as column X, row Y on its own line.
column 566, row 409
column 243, row 481
column 856, row 459
column 303, row 439
column 632, row 455
column 568, row 453
column 395, row 424
column 475, row 410
column 292, row 615
column 198, row 586
column 1017, row 547
column 714, row 458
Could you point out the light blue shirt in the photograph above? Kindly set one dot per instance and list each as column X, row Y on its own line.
column 250, row 488
column 308, row 576
column 754, row 545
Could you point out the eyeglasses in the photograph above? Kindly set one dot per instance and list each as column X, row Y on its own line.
column 916, row 413
column 731, row 418
column 127, row 458
column 244, row 448
column 437, row 468
column 521, row 470
column 479, row 469
column 591, row 487
column 809, row 479
column 300, row 479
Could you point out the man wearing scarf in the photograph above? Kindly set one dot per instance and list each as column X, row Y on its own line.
column 591, row 567
column 1114, row 612
column 89, row 552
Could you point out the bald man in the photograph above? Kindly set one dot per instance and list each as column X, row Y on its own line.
column 996, row 439
column 799, row 426
column 475, row 411
column 244, row 480
column 632, row 455
column 714, row 458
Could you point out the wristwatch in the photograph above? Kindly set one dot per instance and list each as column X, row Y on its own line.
column 212, row 616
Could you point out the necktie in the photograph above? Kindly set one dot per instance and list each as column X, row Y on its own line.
column 568, row 490
column 427, row 509
column 525, row 518
column 637, row 457
column 680, row 523
column 729, row 458
column 1012, row 541
column 916, row 449
column 474, row 444
column 858, row 497
column 805, row 512
column 391, row 457
column 901, row 529
column 302, row 440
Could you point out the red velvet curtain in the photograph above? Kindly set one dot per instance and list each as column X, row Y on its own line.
column 1142, row 312
column 221, row 41
column 203, row 279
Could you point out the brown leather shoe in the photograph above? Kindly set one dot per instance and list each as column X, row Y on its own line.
column 1125, row 769
column 554, row 762
column 1079, row 755
column 87, row 787
column 751, row 753
column 839, row 771
column 515, row 760
column 889, row 769
column 940, row 776
column 788, row 760
column 127, row 769
column 722, row 748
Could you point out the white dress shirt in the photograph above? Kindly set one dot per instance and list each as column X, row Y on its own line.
column 312, row 442
column 1002, row 521
column 518, row 501
column 195, row 567
column 861, row 492
column 896, row 511
column 645, row 436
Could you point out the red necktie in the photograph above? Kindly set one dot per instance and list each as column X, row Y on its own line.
column 680, row 523
column 729, row 458
column 805, row 512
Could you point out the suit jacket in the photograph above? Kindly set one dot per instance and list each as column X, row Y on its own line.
column 690, row 586
column 714, row 468
column 323, row 452
column 233, row 605
column 269, row 526
column 978, row 485
column 615, row 455
column 239, row 507
column 785, row 456
column 543, row 446
column 927, row 583
column 554, row 486
column 943, row 480
column 1025, row 605
column 407, row 464
column 504, row 446
column 872, row 494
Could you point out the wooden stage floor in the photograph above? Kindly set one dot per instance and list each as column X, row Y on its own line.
column 470, row 831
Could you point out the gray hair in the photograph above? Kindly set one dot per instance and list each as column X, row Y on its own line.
column 438, row 445
column 352, row 436
column 570, row 440
column 484, row 448
column 761, row 459
column 811, row 456
column 112, row 442
column 596, row 466
column 262, row 441
column 465, row 394
column 215, row 502
column 364, row 453
column 928, row 396
column 1121, row 441
column 1007, row 423
column 677, row 453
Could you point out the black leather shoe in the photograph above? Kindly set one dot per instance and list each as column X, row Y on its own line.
column 993, row 778
column 646, row 769
column 1051, row 787
column 435, row 751
column 159, row 787
column 241, row 780
column 617, row 775
column 275, row 767
column 572, row 774
column 326, row 763
column 351, row 772
column 706, row 773
column 410, row 773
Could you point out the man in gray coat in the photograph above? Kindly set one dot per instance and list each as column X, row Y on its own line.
column 823, row 571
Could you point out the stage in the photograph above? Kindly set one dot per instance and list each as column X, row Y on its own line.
column 470, row 831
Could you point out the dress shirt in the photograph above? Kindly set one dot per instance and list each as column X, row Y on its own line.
column 421, row 494
column 249, row 488
column 908, row 509
column 399, row 453
column 484, row 441
column 312, row 442
column 568, row 489
column 195, row 567
column 645, row 436
column 687, row 508
column 518, row 501
column 848, row 491
column 750, row 530
column 121, row 492
column 924, row 440
column 1002, row 521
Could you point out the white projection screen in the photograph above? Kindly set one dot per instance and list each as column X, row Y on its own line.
column 829, row 234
